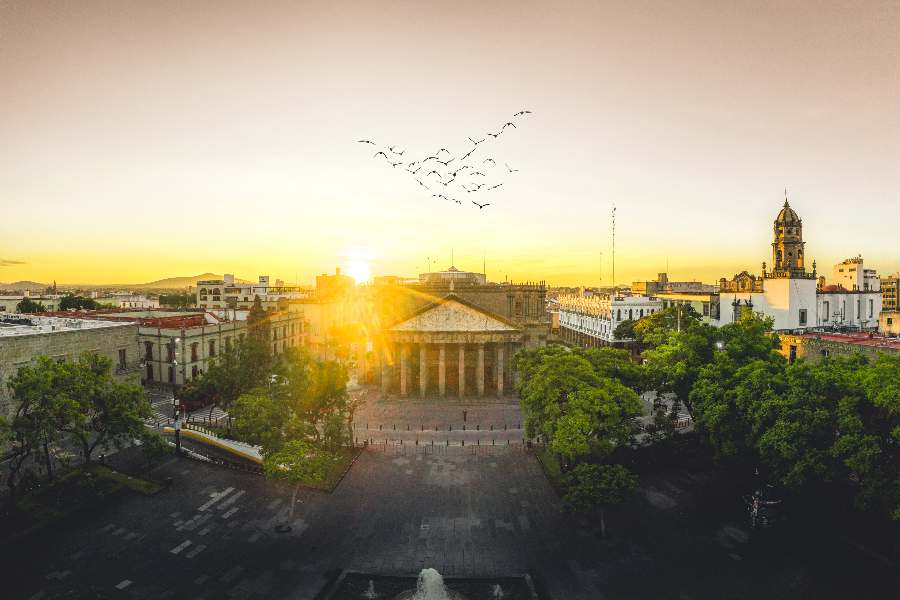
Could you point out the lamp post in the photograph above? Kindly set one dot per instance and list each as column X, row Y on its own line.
column 175, row 401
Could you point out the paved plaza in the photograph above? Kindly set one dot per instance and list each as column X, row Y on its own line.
column 472, row 511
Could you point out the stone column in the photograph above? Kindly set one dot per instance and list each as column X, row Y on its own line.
column 404, row 368
column 479, row 374
column 442, row 370
column 423, row 369
column 500, row 370
column 385, row 372
column 462, row 370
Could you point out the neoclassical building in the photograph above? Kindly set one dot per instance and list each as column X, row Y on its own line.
column 453, row 334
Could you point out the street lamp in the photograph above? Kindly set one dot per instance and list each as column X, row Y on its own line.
column 175, row 402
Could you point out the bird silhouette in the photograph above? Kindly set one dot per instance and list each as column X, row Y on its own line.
column 435, row 172
column 490, row 160
column 394, row 164
column 391, row 148
column 429, row 158
column 371, row 142
column 457, row 201
column 467, row 155
column 381, row 152
column 478, row 186
column 449, row 182
column 480, row 206
column 508, row 124
column 443, row 150
column 479, row 173
column 522, row 112
column 494, row 187
column 445, row 163
column 476, row 142
column 461, row 169
column 422, row 184
column 510, row 169
column 416, row 171
column 495, row 135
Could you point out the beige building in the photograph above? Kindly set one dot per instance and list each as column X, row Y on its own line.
column 890, row 288
column 814, row 347
column 226, row 293
column 889, row 323
column 24, row 338
column 8, row 303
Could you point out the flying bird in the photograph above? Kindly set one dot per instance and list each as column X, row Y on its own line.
column 394, row 164
column 507, row 124
column 479, row 173
column 369, row 142
column 510, row 169
column 445, row 163
column 522, row 112
column 381, row 152
column 495, row 135
column 461, row 169
column 416, row 171
column 449, row 182
column 494, row 187
column 435, row 172
column 391, row 148
column 429, row 158
column 443, row 150
column 490, row 160
column 422, row 184
column 478, row 187
column 480, row 206
column 468, row 155
column 478, row 142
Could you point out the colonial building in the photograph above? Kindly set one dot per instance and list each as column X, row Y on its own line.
column 592, row 321
column 791, row 295
column 23, row 338
column 890, row 286
column 453, row 333
column 227, row 293
column 815, row 346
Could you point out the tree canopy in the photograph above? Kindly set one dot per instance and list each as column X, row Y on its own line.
column 27, row 305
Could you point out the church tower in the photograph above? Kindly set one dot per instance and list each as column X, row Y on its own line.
column 787, row 249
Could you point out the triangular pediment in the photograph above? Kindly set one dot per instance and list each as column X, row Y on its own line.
column 452, row 315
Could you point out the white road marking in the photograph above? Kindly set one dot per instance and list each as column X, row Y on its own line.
column 230, row 512
column 231, row 500
column 123, row 584
column 216, row 498
column 177, row 549
column 196, row 551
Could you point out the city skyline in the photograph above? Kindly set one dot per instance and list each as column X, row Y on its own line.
column 189, row 143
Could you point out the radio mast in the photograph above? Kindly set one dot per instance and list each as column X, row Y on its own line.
column 615, row 289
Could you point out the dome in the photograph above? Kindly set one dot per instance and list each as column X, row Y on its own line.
column 787, row 215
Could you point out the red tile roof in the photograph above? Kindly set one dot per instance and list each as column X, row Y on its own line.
column 858, row 339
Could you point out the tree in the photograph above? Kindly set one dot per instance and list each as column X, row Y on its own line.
column 180, row 300
column 27, row 305
column 595, row 421
column 624, row 330
column 653, row 329
column 298, row 462
column 71, row 301
column 97, row 409
column 617, row 364
column 591, row 486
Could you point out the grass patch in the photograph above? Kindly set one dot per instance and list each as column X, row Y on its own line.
column 551, row 467
column 346, row 457
column 89, row 486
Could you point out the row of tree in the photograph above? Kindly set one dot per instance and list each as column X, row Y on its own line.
column 831, row 423
column 78, row 403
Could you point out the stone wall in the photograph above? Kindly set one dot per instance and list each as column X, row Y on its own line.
column 20, row 350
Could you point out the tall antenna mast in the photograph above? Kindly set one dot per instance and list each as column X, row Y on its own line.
column 614, row 249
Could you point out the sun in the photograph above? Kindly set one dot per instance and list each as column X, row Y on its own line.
column 358, row 264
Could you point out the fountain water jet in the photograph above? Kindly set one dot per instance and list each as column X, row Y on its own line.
column 430, row 586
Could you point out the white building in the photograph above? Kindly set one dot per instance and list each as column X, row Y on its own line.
column 792, row 296
column 225, row 293
column 592, row 321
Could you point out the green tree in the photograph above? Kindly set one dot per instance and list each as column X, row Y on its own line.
column 624, row 330
column 300, row 463
column 71, row 301
column 27, row 305
column 180, row 300
column 97, row 409
column 654, row 329
column 545, row 392
column 591, row 486
column 617, row 364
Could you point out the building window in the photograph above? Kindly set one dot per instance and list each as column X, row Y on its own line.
column 149, row 372
column 171, row 374
column 825, row 311
column 212, row 347
column 194, row 348
column 123, row 358
column 148, row 350
column 871, row 308
column 275, row 348
column 706, row 309
column 858, row 312
column 802, row 317
column 194, row 372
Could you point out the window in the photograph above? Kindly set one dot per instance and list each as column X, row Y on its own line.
column 706, row 309
column 212, row 347
column 871, row 308
column 170, row 352
column 149, row 372
column 802, row 317
column 825, row 311
column 194, row 347
column 194, row 372
column 171, row 374
column 890, row 321
column 148, row 350
column 123, row 358
column 275, row 348
column 227, row 343
column 858, row 312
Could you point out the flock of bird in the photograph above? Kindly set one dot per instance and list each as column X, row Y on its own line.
column 467, row 173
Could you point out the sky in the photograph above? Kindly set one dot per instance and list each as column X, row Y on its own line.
column 143, row 140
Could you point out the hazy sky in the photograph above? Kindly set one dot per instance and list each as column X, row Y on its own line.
column 147, row 139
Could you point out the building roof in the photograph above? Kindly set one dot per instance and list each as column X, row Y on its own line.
column 856, row 339
column 787, row 214
column 37, row 324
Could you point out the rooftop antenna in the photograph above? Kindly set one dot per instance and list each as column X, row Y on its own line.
column 452, row 262
column 601, row 268
column 614, row 249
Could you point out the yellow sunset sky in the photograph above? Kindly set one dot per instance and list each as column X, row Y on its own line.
column 156, row 139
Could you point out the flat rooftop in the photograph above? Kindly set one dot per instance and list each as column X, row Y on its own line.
column 20, row 325
column 857, row 339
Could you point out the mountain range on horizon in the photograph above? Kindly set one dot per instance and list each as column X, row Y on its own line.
column 165, row 283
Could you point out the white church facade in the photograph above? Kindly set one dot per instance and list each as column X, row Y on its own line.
column 796, row 298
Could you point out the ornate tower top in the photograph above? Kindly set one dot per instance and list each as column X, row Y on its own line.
column 788, row 244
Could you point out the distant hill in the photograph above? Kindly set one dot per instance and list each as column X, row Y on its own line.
column 179, row 282
column 33, row 286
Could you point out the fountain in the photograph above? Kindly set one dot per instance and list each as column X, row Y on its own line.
column 430, row 586
column 370, row 594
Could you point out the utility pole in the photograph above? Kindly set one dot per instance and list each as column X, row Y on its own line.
column 614, row 250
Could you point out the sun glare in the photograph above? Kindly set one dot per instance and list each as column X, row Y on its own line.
column 358, row 266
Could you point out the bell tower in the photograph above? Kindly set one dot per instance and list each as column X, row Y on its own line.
column 787, row 247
